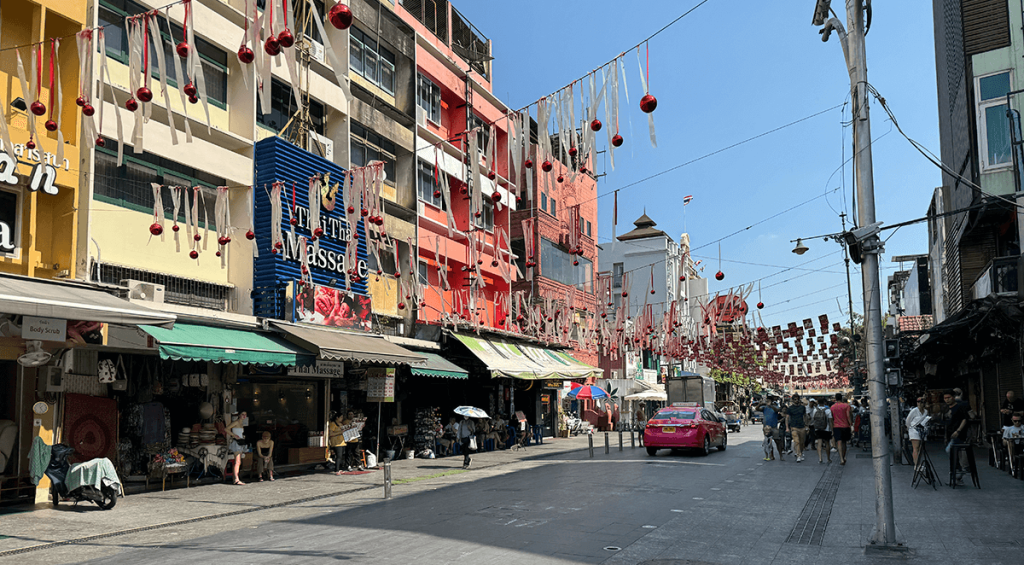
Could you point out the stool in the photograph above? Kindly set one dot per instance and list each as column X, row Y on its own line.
column 954, row 455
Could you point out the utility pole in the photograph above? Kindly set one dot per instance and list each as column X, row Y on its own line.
column 849, row 296
column 854, row 50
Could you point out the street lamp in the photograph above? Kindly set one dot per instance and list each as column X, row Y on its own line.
column 854, row 51
column 800, row 248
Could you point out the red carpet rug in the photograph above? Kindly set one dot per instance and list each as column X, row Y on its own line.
column 90, row 426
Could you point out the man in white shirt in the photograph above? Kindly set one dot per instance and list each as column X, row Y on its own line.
column 1013, row 437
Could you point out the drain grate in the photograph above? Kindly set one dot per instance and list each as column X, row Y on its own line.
column 810, row 526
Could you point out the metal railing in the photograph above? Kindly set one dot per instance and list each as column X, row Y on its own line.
column 999, row 277
column 470, row 44
column 431, row 13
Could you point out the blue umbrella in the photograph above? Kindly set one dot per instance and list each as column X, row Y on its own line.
column 588, row 391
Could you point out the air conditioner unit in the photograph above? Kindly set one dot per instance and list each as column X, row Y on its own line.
column 149, row 292
column 81, row 362
column 321, row 145
column 421, row 116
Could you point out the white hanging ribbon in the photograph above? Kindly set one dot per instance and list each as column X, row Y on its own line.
column 104, row 71
column 158, row 207
column 314, row 210
column 59, row 102
column 161, row 63
column 643, row 83
column 29, row 92
column 176, row 202
column 181, row 81
column 339, row 71
column 195, row 65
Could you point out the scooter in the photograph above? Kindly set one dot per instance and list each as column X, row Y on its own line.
column 95, row 480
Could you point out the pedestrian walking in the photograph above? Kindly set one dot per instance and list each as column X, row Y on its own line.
column 772, row 434
column 796, row 414
column 821, row 423
column 956, row 432
column 842, row 422
column 336, row 441
column 641, row 423
column 915, row 422
column 467, row 436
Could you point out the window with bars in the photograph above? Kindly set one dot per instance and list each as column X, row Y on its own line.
column 371, row 61
column 486, row 219
column 368, row 145
column 282, row 107
column 130, row 185
column 428, row 97
column 427, row 185
column 177, row 290
column 214, row 61
column 482, row 135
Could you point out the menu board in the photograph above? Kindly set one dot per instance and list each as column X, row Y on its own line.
column 380, row 385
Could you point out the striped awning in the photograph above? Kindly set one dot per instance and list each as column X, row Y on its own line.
column 437, row 366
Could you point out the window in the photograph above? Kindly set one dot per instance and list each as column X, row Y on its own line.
column 214, row 61
column 589, row 234
column 371, row 61
column 427, row 184
column 482, row 134
column 368, row 145
column 994, row 125
column 486, row 219
column 558, row 266
column 553, row 209
column 387, row 260
column 129, row 186
column 282, row 106
column 428, row 97
column 544, row 201
column 617, row 271
column 300, row 12
column 421, row 268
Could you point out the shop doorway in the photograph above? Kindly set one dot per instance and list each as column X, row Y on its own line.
column 549, row 411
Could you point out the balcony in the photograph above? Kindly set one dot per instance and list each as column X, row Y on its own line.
column 1000, row 277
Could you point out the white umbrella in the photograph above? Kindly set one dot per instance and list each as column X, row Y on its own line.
column 471, row 412
column 648, row 395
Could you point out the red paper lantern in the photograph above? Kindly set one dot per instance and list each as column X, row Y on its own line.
column 131, row 105
column 156, row 229
column 38, row 108
column 88, row 110
column 648, row 103
column 546, row 166
column 340, row 16
column 193, row 254
column 182, row 49
column 190, row 89
column 144, row 94
column 271, row 46
column 246, row 55
column 595, row 125
column 528, row 164
column 617, row 140
column 50, row 125
column 719, row 275
column 286, row 39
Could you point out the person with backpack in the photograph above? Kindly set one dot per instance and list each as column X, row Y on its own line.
column 821, row 422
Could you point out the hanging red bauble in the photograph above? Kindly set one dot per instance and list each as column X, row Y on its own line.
column 217, row 254
column 293, row 221
column 575, row 262
column 274, row 251
column 652, row 291
column 277, row 245
column 398, row 274
column 223, row 240
column 595, row 125
column 340, row 16
column 364, row 212
column 760, row 305
column 573, row 151
column 463, row 189
column 351, row 209
column 246, row 55
column 190, row 89
column 318, row 233
column 144, row 94
column 100, row 142
column 682, row 278
column 648, row 103
column 617, row 140
column 131, row 105
column 175, row 228
column 625, row 294
column 546, row 166
column 193, row 254
column 528, row 164
column 305, row 270
column 479, row 261
column 156, row 229
column 80, row 101
column 491, row 175
column 50, row 125
column 437, row 194
column 496, row 196
column 250, row 235
column 560, row 178
column 286, row 39
column 38, row 108
column 380, row 271
column 518, row 201
column 193, row 99
column 88, row 110
column 494, row 263
column 182, row 49
column 271, row 46
column 30, row 144
column 719, row 275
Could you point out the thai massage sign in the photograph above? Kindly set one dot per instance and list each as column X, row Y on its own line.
column 42, row 174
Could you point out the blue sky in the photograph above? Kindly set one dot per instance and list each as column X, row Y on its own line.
column 727, row 72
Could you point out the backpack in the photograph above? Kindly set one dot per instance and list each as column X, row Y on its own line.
column 820, row 419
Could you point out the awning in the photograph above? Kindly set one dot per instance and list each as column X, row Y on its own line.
column 189, row 342
column 647, row 395
column 53, row 299
column 437, row 366
column 347, row 346
column 505, row 359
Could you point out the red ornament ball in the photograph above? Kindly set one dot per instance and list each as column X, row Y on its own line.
column 617, row 140
column 182, row 49
column 318, row 233
column 340, row 16
column 156, row 229
column 595, row 125
column 193, row 254
column 218, row 254
column 100, row 142
column 223, row 240
column 144, row 94
column 131, row 105
column 38, row 108
column 401, row 305
column 625, row 294
column 190, row 89
column 575, row 263
column 560, row 178
column 30, row 144
column 546, row 166
column 250, row 235
column 398, row 274
column 496, row 196
column 88, row 110
column 682, row 278
column 193, row 99
column 648, row 103
column 463, row 190
column 50, row 125
column 279, row 245
column 491, row 175
column 760, row 305
column 364, row 212
column 528, row 164
column 719, row 275
column 175, row 228
column 197, row 237
column 294, row 221
column 652, row 291
column 573, row 151
column 351, row 209
column 286, row 39
column 494, row 263
column 246, row 55
column 583, row 170
column 271, row 46
column 437, row 194
column 80, row 101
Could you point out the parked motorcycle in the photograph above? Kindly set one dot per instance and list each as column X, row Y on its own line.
column 95, row 480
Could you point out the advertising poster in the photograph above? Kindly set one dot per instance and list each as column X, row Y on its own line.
column 326, row 306
column 380, row 385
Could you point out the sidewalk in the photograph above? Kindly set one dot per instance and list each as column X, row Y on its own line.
column 43, row 525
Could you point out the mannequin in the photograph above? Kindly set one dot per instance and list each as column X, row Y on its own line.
column 236, row 433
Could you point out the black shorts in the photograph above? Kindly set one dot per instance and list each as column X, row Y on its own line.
column 842, row 434
column 822, row 434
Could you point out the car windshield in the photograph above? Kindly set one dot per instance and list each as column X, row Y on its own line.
column 676, row 415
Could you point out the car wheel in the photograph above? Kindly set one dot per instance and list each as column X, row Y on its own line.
column 651, row 451
column 707, row 446
column 724, row 441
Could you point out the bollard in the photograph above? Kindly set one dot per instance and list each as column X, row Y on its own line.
column 632, row 440
column 387, row 478
column 590, row 440
column 606, row 450
column 620, row 440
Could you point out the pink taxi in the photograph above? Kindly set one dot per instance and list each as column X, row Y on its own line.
column 684, row 425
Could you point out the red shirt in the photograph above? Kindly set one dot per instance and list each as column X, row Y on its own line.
column 840, row 413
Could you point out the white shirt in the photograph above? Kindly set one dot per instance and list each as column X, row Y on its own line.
column 916, row 417
column 1013, row 432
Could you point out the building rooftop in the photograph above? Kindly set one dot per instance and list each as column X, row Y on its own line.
column 644, row 229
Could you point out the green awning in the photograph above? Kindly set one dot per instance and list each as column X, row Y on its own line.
column 437, row 366
column 189, row 342
column 521, row 361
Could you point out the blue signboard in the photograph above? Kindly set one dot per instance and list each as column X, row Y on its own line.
column 279, row 160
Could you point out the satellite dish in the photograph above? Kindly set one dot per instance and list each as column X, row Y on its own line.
column 34, row 355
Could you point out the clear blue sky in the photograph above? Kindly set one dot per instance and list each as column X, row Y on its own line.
column 727, row 72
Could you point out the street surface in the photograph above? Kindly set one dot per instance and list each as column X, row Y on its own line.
column 549, row 504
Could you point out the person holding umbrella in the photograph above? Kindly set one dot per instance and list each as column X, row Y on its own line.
column 467, row 431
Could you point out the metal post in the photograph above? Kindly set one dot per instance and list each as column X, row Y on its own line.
column 632, row 440
column 590, row 440
column 856, row 62
column 620, row 440
column 387, row 478
column 606, row 448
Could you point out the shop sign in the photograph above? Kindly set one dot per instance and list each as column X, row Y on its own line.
column 380, row 385
column 45, row 329
column 327, row 306
column 322, row 368
column 552, row 384
column 280, row 161
column 42, row 175
column 650, row 375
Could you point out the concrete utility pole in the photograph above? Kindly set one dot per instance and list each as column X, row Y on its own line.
column 856, row 62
